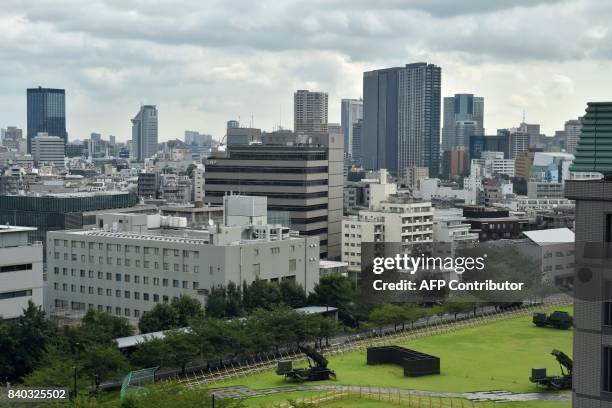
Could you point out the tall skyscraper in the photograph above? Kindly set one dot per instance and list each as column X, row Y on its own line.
column 351, row 112
column 46, row 113
column 144, row 132
column 358, row 141
column 572, row 133
column 309, row 111
column 460, row 109
column 401, row 115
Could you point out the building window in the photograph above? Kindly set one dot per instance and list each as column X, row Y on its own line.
column 145, row 296
column 256, row 270
column 164, row 282
column 175, row 283
column 145, row 280
column 292, row 265
column 126, row 278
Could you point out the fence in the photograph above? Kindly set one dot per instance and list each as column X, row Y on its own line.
column 356, row 343
column 392, row 397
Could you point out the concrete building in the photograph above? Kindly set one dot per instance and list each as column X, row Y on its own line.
column 455, row 162
column 401, row 114
column 553, row 249
column 450, row 226
column 523, row 164
column 48, row 150
column 21, row 271
column 357, row 142
column 414, row 174
column 310, row 111
column 572, row 130
column 351, row 111
column 433, row 189
column 198, row 184
column 492, row 164
column 519, row 143
column 144, row 133
column 398, row 218
column 133, row 263
column 302, row 178
column 148, row 185
column 540, row 190
column 592, row 379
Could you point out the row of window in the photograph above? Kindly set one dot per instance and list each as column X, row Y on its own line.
column 126, row 248
column 16, row 268
column 118, row 293
column 137, row 263
column 16, row 294
column 118, row 277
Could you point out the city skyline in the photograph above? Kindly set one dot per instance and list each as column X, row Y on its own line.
column 214, row 68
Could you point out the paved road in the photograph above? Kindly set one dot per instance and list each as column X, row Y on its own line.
column 491, row 396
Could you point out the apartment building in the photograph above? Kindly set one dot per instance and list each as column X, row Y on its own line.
column 392, row 217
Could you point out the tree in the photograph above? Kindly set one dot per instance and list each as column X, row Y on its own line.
column 101, row 327
column 105, row 361
column 261, row 294
column 186, row 308
column 161, row 317
column 292, row 294
column 182, row 348
column 55, row 369
column 31, row 334
column 216, row 302
column 333, row 290
column 233, row 305
column 151, row 353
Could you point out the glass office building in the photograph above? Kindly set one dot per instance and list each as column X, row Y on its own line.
column 59, row 211
column 46, row 113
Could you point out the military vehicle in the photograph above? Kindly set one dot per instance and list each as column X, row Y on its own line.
column 317, row 367
column 557, row 382
column 557, row 319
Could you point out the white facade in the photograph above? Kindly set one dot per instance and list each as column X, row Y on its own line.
column 449, row 226
column 431, row 188
column 48, row 150
column 491, row 164
column 21, row 271
column 129, row 268
column 397, row 219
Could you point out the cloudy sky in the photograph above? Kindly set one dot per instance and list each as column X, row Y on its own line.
column 203, row 62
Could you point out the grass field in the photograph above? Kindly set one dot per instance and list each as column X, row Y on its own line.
column 496, row 356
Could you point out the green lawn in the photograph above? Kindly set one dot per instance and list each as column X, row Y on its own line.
column 496, row 356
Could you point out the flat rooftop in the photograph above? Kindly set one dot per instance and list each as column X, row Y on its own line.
column 6, row 229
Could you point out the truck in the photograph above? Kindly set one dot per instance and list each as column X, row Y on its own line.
column 557, row 319
column 555, row 382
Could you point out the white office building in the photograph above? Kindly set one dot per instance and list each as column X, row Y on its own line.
column 21, row 271
column 133, row 262
column 491, row 164
column 48, row 150
column 391, row 217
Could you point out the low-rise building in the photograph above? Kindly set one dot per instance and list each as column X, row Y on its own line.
column 133, row 263
column 21, row 271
